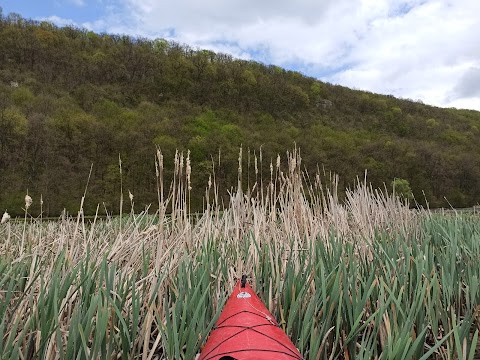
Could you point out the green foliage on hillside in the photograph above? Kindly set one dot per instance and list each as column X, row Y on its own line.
column 84, row 98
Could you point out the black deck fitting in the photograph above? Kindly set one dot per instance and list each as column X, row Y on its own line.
column 244, row 280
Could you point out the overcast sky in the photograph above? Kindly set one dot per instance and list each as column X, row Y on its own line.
column 425, row 50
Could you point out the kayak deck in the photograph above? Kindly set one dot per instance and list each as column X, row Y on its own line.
column 246, row 330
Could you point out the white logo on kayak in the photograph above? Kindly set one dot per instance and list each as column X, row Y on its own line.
column 243, row 295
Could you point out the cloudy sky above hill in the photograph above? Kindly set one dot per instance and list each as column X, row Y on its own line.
column 419, row 49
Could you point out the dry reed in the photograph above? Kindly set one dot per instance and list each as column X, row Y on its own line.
column 274, row 224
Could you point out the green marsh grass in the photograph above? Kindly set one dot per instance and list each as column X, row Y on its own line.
column 366, row 278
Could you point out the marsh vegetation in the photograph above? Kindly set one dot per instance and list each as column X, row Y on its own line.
column 364, row 278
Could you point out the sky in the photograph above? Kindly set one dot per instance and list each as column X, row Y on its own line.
column 425, row 50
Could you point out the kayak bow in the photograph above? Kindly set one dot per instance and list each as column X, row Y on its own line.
column 246, row 330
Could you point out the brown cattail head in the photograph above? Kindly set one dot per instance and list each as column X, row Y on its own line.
column 5, row 217
column 28, row 201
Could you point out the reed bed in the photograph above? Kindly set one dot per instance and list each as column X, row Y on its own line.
column 363, row 278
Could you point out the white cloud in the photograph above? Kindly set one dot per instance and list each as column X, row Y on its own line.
column 419, row 49
column 58, row 20
column 421, row 55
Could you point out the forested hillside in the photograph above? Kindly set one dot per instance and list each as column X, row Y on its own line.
column 70, row 98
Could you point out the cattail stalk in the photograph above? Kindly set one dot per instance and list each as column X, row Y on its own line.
column 121, row 195
column 28, row 203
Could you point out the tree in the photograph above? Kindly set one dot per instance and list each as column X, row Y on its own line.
column 402, row 189
column 70, row 98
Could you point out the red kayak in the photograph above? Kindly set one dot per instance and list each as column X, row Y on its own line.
column 246, row 330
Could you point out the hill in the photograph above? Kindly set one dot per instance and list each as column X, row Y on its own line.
column 70, row 98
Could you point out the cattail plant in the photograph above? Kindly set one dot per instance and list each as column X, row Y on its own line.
column 5, row 220
column 363, row 278
column 130, row 196
column 28, row 203
column 5, row 217
column 121, row 193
